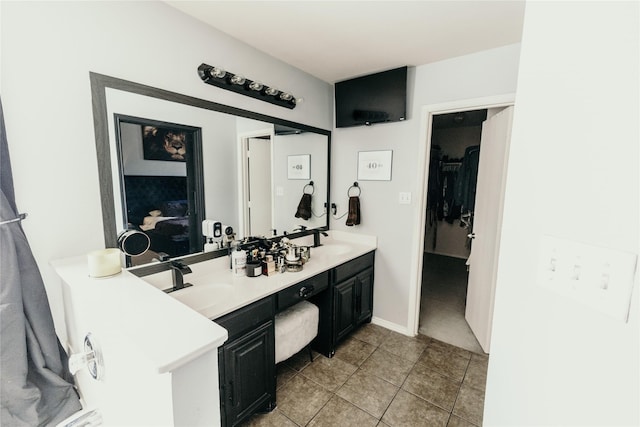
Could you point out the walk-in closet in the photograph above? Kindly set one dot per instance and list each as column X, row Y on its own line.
column 455, row 147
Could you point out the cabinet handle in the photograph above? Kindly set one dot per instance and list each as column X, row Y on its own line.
column 305, row 291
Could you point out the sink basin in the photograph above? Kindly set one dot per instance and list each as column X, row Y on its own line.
column 199, row 297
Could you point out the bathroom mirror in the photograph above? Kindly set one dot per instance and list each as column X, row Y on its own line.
column 218, row 163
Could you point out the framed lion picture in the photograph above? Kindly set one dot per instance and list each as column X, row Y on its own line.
column 165, row 143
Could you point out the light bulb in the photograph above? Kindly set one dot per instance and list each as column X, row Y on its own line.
column 217, row 72
column 257, row 86
column 271, row 91
column 286, row 96
column 237, row 79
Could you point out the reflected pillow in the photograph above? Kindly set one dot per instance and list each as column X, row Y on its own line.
column 175, row 208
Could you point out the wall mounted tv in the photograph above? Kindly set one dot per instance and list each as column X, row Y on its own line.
column 375, row 98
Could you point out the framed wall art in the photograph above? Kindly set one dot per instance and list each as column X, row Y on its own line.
column 299, row 166
column 374, row 165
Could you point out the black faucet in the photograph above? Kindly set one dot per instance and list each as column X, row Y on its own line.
column 316, row 237
column 178, row 270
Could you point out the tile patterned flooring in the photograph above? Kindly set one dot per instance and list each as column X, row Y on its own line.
column 381, row 378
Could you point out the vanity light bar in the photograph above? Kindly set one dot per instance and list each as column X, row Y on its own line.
column 216, row 76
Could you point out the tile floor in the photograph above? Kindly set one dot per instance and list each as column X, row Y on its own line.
column 381, row 378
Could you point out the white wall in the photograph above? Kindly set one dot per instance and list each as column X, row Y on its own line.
column 573, row 173
column 287, row 201
column 48, row 50
column 488, row 73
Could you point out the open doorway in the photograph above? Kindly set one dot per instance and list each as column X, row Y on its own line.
column 451, row 188
column 463, row 218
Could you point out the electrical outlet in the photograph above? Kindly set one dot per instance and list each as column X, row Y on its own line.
column 599, row 277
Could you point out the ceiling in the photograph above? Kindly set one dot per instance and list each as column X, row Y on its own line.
column 338, row 40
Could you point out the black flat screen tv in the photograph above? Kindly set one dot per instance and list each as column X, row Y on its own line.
column 375, row 98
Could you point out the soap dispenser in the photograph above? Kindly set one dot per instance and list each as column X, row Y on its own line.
column 239, row 262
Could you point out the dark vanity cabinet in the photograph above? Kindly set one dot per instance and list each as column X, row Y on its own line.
column 348, row 304
column 246, row 362
column 352, row 302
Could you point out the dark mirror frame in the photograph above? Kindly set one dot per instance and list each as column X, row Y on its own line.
column 99, row 84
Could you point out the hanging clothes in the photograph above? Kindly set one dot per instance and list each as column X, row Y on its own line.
column 449, row 208
column 36, row 388
column 465, row 190
column 434, row 190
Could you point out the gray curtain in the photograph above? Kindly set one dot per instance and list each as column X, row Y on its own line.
column 35, row 384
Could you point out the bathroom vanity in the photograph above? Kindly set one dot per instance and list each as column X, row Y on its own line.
column 235, row 354
column 247, row 372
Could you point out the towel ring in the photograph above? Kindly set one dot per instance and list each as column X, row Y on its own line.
column 313, row 189
column 356, row 186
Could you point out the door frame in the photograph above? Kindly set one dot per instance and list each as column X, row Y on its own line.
column 243, row 182
column 424, row 148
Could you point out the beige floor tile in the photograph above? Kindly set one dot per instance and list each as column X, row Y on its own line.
column 459, row 422
column 372, row 334
column 283, row 374
column 409, row 348
column 368, row 392
column 431, row 386
column 470, row 405
column 354, row 351
column 339, row 412
column 480, row 358
column 300, row 399
column 407, row 410
column 448, row 364
column 271, row 419
column 448, row 348
column 329, row 373
column 387, row 366
column 300, row 360
column 476, row 375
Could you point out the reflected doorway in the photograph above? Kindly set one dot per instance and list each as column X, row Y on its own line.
column 259, row 198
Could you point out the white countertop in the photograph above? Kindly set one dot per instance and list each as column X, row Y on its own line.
column 157, row 322
column 230, row 292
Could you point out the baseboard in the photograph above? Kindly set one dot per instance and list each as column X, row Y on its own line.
column 392, row 326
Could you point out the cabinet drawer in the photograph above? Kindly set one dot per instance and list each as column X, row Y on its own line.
column 247, row 318
column 352, row 267
column 303, row 290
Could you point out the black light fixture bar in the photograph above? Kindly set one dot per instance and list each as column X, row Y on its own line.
column 216, row 76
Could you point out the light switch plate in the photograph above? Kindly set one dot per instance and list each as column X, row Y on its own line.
column 598, row 277
column 405, row 198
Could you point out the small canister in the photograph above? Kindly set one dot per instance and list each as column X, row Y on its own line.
column 254, row 269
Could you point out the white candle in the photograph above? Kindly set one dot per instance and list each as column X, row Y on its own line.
column 105, row 262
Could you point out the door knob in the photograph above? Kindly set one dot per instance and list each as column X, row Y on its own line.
column 471, row 235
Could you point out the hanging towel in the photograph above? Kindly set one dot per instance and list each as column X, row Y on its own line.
column 304, row 207
column 36, row 385
column 353, row 218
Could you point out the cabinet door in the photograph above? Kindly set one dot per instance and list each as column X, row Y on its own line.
column 364, row 296
column 344, row 308
column 249, row 374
